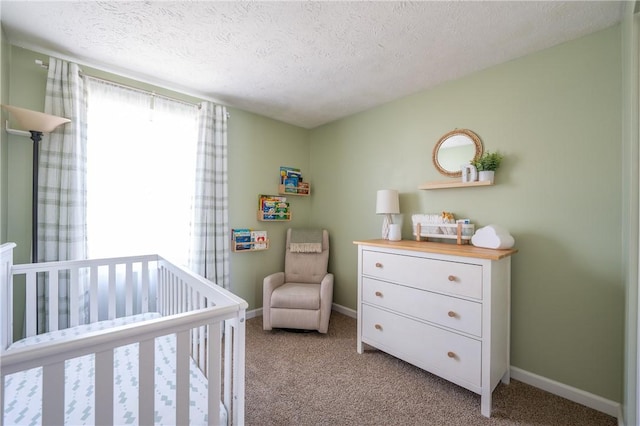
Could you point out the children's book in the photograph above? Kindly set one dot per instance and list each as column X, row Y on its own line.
column 241, row 239
column 259, row 239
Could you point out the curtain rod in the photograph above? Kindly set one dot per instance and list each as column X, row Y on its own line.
column 148, row 92
column 151, row 93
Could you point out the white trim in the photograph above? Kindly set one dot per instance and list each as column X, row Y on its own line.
column 254, row 313
column 344, row 310
column 338, row 308
column 587, row 399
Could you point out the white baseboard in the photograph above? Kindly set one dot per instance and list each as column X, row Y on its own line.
column 587, row 399
column 338, row 308
column 253, row 313
column 344, row 310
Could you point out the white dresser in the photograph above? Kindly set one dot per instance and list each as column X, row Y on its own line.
column 442, row 307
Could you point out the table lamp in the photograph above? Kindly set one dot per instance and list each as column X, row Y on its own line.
column 387, row 203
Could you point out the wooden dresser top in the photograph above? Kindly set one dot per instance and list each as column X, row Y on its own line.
column 465, row 250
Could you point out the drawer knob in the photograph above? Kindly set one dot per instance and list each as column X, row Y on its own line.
column 452, row 277
column 378, row 327
column 452, row 314
column 379, row 293
column 378, row 265
column 451, row 354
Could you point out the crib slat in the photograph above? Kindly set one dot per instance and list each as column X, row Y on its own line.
column 93, row 294
column 214, row 363
column 31, row 308
column 53, row 394
column 74, row 295
column 204, row 362
column 229, row 332
column 182, row 378
column 174, row 294
column 112, row 291
column 239, row 330
column 104, row 387
column 180, row 298
column 146, row 366
column 129, row 290
column 53, row 300
column 161, row 287
column 145, row 287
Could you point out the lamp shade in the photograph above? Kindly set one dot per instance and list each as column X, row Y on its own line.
column 34, row 120
column 387, row 202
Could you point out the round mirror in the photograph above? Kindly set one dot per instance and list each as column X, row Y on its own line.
column 454, row 149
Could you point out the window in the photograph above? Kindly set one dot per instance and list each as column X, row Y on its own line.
column 141, row 153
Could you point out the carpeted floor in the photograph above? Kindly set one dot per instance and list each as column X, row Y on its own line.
column 305, row 378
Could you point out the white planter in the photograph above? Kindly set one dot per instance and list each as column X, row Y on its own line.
column 486, row 175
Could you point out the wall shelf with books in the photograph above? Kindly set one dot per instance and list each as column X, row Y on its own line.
column 273, row 208
column 292, row 183
column 246, row 240
column 266, row 217
column 298, row 191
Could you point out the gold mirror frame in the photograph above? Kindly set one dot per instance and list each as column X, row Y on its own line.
column 457, row 132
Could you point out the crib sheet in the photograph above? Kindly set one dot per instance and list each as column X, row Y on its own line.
column 23, row 400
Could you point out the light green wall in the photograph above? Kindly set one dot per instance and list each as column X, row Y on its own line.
column 553, row 114
column 258, row 146
column 26, row 90
column 556, row 115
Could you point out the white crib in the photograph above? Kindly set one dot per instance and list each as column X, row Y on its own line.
column 145, row 342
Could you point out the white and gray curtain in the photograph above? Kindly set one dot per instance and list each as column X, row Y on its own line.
column 62, row 202
column 209, row 253
column 62, row 197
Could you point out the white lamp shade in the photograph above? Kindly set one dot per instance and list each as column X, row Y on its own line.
column 387, row 202
column 34, row 120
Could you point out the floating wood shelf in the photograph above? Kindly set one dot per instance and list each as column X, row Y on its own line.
column 282, row 191
column 280, row 217
column 453, row 184
column 238, row 247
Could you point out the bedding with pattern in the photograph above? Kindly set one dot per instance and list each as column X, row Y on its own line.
column 23, row 398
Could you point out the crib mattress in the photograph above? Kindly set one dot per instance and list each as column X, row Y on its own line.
column 23, row 397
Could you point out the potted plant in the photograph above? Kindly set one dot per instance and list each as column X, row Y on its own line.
column 487, row 164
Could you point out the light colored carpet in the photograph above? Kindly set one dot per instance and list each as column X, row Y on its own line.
column 308, row 378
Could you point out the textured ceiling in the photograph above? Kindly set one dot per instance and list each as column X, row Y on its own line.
column 304, row 63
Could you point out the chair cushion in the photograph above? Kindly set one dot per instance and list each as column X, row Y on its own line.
column 296, row 296
column 306, row 267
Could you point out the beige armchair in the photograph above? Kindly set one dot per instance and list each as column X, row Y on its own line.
column 301, row 296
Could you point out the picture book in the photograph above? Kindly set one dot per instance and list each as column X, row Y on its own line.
column 259, row 239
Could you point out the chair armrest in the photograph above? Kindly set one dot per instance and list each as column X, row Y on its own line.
column 326, row 302
column 270, row 283
column 327, row 281
column 326, row 288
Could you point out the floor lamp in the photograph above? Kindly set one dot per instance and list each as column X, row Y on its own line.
column 36, row 123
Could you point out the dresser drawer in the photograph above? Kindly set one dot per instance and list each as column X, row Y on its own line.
column 454, row 278
column 459, row 314
column 447, row 354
